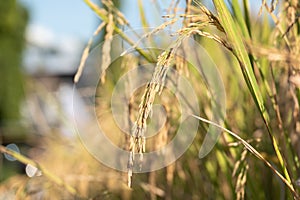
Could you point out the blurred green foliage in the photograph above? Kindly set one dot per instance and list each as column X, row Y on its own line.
column 13, row 22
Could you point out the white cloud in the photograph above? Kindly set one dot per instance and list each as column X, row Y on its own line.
column 39, row 35
column 51, row 53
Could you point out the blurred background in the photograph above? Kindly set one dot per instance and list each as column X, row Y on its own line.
column 41, row 44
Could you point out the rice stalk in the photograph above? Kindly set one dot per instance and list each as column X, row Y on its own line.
column 138, row 140
column 154, row 31
column 240, row 168
column 106, row 59
column 86, row 52
column 155, row 86
column 117, row 13
column 216, row 38
column 102, row 13
column 173, row 8
column 242, row 158
column 211, row 18
column 241, row 182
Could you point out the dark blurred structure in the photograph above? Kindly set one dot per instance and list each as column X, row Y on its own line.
column 13, row 22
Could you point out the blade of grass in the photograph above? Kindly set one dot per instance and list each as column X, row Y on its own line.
column 239, row 16
column 241, row 54
column 247, row 16
column 142, row 14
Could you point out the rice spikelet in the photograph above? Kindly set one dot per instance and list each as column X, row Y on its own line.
column 106, row 59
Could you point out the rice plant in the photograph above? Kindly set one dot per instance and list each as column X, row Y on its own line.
column 256, row 51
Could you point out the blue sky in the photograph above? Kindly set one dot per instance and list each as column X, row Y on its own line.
column 74, row 17
column 67, row 17
column 68, row 24
column 63, row 25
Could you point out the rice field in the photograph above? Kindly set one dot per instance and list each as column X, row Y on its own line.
column 225, row 72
